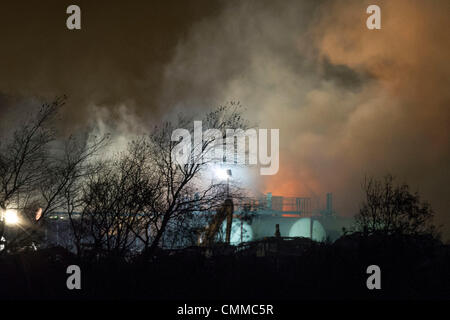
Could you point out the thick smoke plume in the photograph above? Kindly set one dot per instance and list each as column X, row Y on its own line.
column 349, row 101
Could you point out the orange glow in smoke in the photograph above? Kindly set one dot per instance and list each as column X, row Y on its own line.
column 291, row 181
column 290, row 215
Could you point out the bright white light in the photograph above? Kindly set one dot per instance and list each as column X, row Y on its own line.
column 11, row 216
column 221, row 173
column 2, row 243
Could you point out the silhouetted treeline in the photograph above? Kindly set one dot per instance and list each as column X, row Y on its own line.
column 412, row 267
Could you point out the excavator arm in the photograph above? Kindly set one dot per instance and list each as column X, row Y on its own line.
column 222, row 213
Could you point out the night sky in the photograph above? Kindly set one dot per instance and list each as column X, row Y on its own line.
column 348, row 101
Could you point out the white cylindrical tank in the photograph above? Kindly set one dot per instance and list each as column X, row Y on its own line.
column 308, row 228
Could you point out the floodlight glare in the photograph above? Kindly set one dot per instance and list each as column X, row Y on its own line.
column 222, row 174
column 11, row 216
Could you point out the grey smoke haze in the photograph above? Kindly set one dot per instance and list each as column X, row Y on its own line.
column 348, row 101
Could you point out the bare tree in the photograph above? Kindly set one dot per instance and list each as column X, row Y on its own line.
column 36, row 169
column 183, row 186
column 144, row 198
column 114, row 200
column 23, row 159
column 391, row 208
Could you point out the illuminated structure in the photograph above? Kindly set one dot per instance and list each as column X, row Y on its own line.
column 252, row 220
column 295, row 217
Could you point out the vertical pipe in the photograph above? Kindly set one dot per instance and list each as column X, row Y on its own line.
column 229, row 214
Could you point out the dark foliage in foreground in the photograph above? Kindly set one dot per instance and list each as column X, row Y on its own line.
column 411, row 268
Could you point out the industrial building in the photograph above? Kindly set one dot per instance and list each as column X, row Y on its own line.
column 286, row 217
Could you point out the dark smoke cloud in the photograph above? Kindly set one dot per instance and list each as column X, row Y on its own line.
column 116, row 59
column 348, row 101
